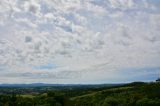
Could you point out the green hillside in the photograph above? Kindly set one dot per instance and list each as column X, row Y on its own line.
column 133, row 94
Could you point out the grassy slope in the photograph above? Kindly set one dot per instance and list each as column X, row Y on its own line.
column 129, row 95
column 102, row 91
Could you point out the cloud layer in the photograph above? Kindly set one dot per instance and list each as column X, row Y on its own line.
column 78, row 41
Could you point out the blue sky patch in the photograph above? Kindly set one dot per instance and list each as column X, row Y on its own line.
column 48, row 66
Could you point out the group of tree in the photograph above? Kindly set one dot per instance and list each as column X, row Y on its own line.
column 47, row 99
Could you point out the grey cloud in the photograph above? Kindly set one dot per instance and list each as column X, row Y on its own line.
column 25, row 75
column 124, row 31
column 32, row 6
column 28, row 39
column 68, row 74
column 39, row 75
column 62, row 52
column 37, row 46
column 152, row 39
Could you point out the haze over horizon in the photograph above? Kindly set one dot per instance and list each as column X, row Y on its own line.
column 79, row 41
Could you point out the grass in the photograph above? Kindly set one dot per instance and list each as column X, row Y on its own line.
column 94, row 93
column 28, row 96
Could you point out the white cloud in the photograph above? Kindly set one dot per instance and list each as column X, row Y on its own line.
column 93, row 39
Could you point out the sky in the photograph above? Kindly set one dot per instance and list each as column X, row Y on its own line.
column 79, row 41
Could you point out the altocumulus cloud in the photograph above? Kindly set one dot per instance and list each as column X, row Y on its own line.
column 79, row 41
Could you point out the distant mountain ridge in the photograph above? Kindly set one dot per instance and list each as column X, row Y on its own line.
column 45, row 84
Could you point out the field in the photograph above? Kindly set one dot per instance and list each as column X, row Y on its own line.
column 132, row 94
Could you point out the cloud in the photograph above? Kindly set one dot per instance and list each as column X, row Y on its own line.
column 32, row 6
column 28, row 39
column 89, row 40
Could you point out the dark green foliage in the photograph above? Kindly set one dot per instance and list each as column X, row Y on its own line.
column 134, row 94
column 148, row 102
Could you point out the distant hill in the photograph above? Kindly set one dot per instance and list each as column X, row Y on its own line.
column 56, row 85
column 30, row 85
